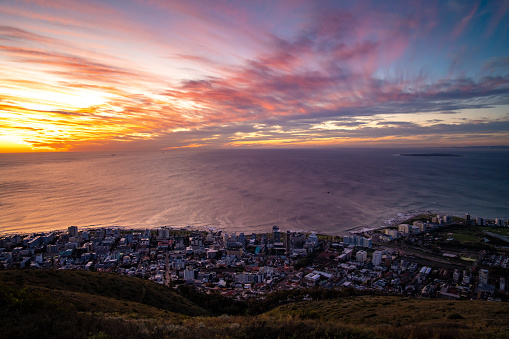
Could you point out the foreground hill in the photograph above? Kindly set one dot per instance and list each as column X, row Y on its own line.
column 77, row 304
column 92, row 285
column 398, row 316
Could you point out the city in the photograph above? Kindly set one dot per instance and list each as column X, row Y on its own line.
column 420, row 258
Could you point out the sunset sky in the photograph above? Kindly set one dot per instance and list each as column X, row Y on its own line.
column 143, row 75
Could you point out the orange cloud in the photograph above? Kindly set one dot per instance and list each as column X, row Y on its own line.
column 161, row 74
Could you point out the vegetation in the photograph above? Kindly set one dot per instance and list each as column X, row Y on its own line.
column 497, row 230
column 65, row 304
column 308, row 259
column 469, row 238
column 389, row 316
column 113, row 286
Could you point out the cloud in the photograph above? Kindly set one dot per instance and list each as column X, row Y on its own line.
column 461, row 26
column 221, row 74
column 497, row 64
column 74, row 66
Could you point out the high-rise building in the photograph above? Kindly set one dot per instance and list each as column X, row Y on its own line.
column 242, row 239
column 361, row 256
column 288, row 241
column 73, row 231
column 404, row 229
column 276, row 235
column 377, row 258
column 447, row 219
column 346, row 240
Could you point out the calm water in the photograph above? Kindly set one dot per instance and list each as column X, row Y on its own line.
column 247, row 190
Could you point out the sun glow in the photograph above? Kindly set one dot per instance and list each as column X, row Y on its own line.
column 95, row 76
column 50, row 100
column 13, row 143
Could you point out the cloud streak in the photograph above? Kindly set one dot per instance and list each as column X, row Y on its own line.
column 164, row 75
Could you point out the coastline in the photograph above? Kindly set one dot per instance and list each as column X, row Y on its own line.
column 388, row 223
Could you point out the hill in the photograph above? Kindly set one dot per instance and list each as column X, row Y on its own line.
column 78, row 304
column 394, row 316
column 91, row 285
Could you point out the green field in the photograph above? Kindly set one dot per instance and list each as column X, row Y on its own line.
column 497, row 230
column 463, row 237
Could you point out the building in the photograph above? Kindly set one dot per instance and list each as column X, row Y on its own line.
column 447, row 219
column 311, row 279
column 367, row 242
column 391, row 233
column 242, row 239
column 346, row 240
column 361, row 256
column 404, row 229
column 190, row 275
column 313, row 238
column 288, row 241
column 163, row 233
column 456, row 276
column 377, row 258
column 248, row 278
column 276, row 235
column 483, row 277
column 73, row 231
column 468, row 220
column 422, row 225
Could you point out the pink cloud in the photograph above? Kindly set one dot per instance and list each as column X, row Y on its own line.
column 210, row 66
column 461, row 26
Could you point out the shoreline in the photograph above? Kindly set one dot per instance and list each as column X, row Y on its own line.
column 398, row 219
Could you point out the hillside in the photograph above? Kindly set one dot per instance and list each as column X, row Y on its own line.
column 77, row 304
column 91, row 285
column 398, row 315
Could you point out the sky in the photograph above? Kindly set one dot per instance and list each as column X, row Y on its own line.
column 160, row 75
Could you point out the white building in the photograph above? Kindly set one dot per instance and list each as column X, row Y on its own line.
column 313, row 239
column 377, row 258
column 361, row 256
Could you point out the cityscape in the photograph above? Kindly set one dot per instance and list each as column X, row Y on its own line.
column 403, row 259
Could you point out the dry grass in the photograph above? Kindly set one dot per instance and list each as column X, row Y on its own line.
column 58, row 311
column 403, row 316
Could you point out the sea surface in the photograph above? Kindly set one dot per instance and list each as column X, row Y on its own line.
column 238, row 190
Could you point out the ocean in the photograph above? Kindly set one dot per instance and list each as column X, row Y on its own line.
column 248, row 190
